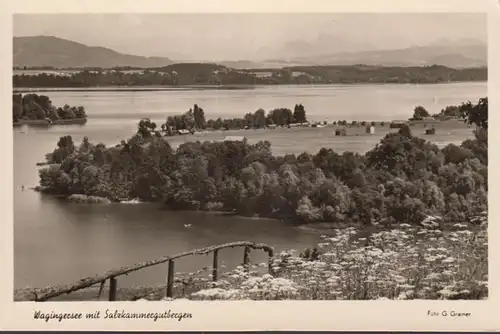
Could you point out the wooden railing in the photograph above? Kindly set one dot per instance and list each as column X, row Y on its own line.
column 112, row 275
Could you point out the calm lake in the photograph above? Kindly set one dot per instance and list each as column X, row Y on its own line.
column 58, row 243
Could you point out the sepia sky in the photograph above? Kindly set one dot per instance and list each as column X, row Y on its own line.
column 251, row 36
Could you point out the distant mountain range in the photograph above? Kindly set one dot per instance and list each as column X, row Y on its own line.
column 55, row 52
column 450, row 56
column 61, row 53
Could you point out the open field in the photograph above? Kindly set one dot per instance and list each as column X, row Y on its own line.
column 298, row 140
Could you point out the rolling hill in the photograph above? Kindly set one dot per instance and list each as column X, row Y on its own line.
column 38, row 51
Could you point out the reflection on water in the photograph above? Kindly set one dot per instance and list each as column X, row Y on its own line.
column 58, row 243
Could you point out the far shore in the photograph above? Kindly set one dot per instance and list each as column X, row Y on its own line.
column 43, row 122
column 130, row 88
column 213, row 87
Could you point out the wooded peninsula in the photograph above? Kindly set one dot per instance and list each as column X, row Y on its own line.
column 403, row 179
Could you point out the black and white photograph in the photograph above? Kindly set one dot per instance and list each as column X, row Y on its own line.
column 250, row 156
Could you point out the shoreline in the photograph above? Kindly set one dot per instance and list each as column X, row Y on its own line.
column 323, row 227
column 153, row 88
column 43, row 122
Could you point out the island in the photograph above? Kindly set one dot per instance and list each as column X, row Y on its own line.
column 33, row 109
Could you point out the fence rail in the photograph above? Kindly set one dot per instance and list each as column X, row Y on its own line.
column 44, row 294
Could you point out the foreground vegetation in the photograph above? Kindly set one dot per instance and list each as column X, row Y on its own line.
column 403, row 179
column 213, row 74
column 407, row 263
column 423, row 262
column 33, row 107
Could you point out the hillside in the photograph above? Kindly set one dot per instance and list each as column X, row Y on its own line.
column 56, row 52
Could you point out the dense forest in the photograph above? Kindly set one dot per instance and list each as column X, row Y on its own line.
column 402, row 179
column 213, row 74
column 39, row 107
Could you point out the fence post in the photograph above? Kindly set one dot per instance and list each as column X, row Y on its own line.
column 246, row 257
column 170, row 278
column 101, row 288
column 113, row 284
column 215, row 265
column 270, row 253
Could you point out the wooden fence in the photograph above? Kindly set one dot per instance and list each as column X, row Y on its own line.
column 112, row 275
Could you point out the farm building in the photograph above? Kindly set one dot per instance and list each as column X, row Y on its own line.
column 341, row 132
column 431, row 131
column 262, row 74
column 398, row 124
column 370, row 129
column 183, row 132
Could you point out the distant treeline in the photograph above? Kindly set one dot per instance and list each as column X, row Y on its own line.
column 213, row 74
column 33, row 107
column 194, row 120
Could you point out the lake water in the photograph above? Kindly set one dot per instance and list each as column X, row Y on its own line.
column 58, row 243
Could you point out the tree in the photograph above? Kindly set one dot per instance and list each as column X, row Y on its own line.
column 456, row 154
column 199, row 117
column 451, row 111
column 17, row 107
column 145, row 127
column 299, row 114
column 249, row 120
column 307, row 212
column 281, row 116
column 476, row 114
column 420, row 113
column 65, row 147
column 80, row 112
column 259, row 120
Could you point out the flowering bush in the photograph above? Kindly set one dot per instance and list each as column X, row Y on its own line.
column 406, row 263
